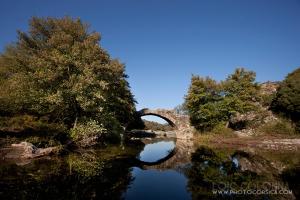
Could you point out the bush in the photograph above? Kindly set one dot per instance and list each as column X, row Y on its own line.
column 87, row 132
column 29, row 123
column 113, row 129
column 154, row 126
column 266, row 99
column 42, row 142
column 221, row 129
column 282, row 126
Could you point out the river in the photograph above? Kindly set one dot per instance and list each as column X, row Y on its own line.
column 154, row 169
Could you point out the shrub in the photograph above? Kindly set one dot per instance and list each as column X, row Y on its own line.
column 113, row 129
column 282, row 126
column 42, row 142
column 221, row 129
column 87, row 132
column 29, row 123
column 266, row 99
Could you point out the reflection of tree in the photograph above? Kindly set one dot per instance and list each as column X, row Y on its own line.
column 86, row 175
column 98, row 178
column 86, row 165
column 292, row 177
column 211, row 171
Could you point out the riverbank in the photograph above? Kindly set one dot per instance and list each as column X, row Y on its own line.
column 270, row 142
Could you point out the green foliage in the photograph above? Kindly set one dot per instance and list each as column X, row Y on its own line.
column 287, row 99
column 241, row 84
column 136, row 122
column 266, row 99
column 210, row 103
column 154, row 126
column 87, row 165
column 87, row 129
column 23, row 123
column 42, row 142
column 221, row 129
column 59, row 70
column 202, row 102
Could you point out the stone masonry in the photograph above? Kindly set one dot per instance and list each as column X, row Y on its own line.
column 180, row 123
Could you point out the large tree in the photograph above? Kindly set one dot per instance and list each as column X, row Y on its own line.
column 58, row 69
column 287, row 98
column 201, row 101
column 210, row 103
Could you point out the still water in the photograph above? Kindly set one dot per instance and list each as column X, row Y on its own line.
column 154, row 183
column 153, row 169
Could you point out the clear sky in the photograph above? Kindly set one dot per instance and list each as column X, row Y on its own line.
column 164, row 42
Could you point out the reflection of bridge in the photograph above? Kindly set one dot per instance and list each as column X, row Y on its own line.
column 181, row 123
column 178, row 158
column 143, row 164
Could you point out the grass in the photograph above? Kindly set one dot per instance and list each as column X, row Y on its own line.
column 280, row 127
column 218, row 133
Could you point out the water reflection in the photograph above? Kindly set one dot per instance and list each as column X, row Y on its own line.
column 155, row 184
column 291, row 176
column 156, row 151
column 99, row 174
column 239, row 175
column 115, row 173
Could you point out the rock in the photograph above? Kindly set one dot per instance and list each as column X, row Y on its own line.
column 241, row 121
column 269, row 87
column 26, row 150
column 251, row 119
column 245, row 132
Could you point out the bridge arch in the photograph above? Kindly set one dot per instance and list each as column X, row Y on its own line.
column 179, row 122
column 170, row 122
column 159, row 113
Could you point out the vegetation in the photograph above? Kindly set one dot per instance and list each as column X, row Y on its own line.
column 154, row 126
column 210, row 103
column 59, row 74
column 287, row 99
column 281, row 126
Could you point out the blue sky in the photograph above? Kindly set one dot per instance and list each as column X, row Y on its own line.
column 164, row 42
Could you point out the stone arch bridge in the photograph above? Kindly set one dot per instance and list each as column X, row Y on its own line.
column 180, row 122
